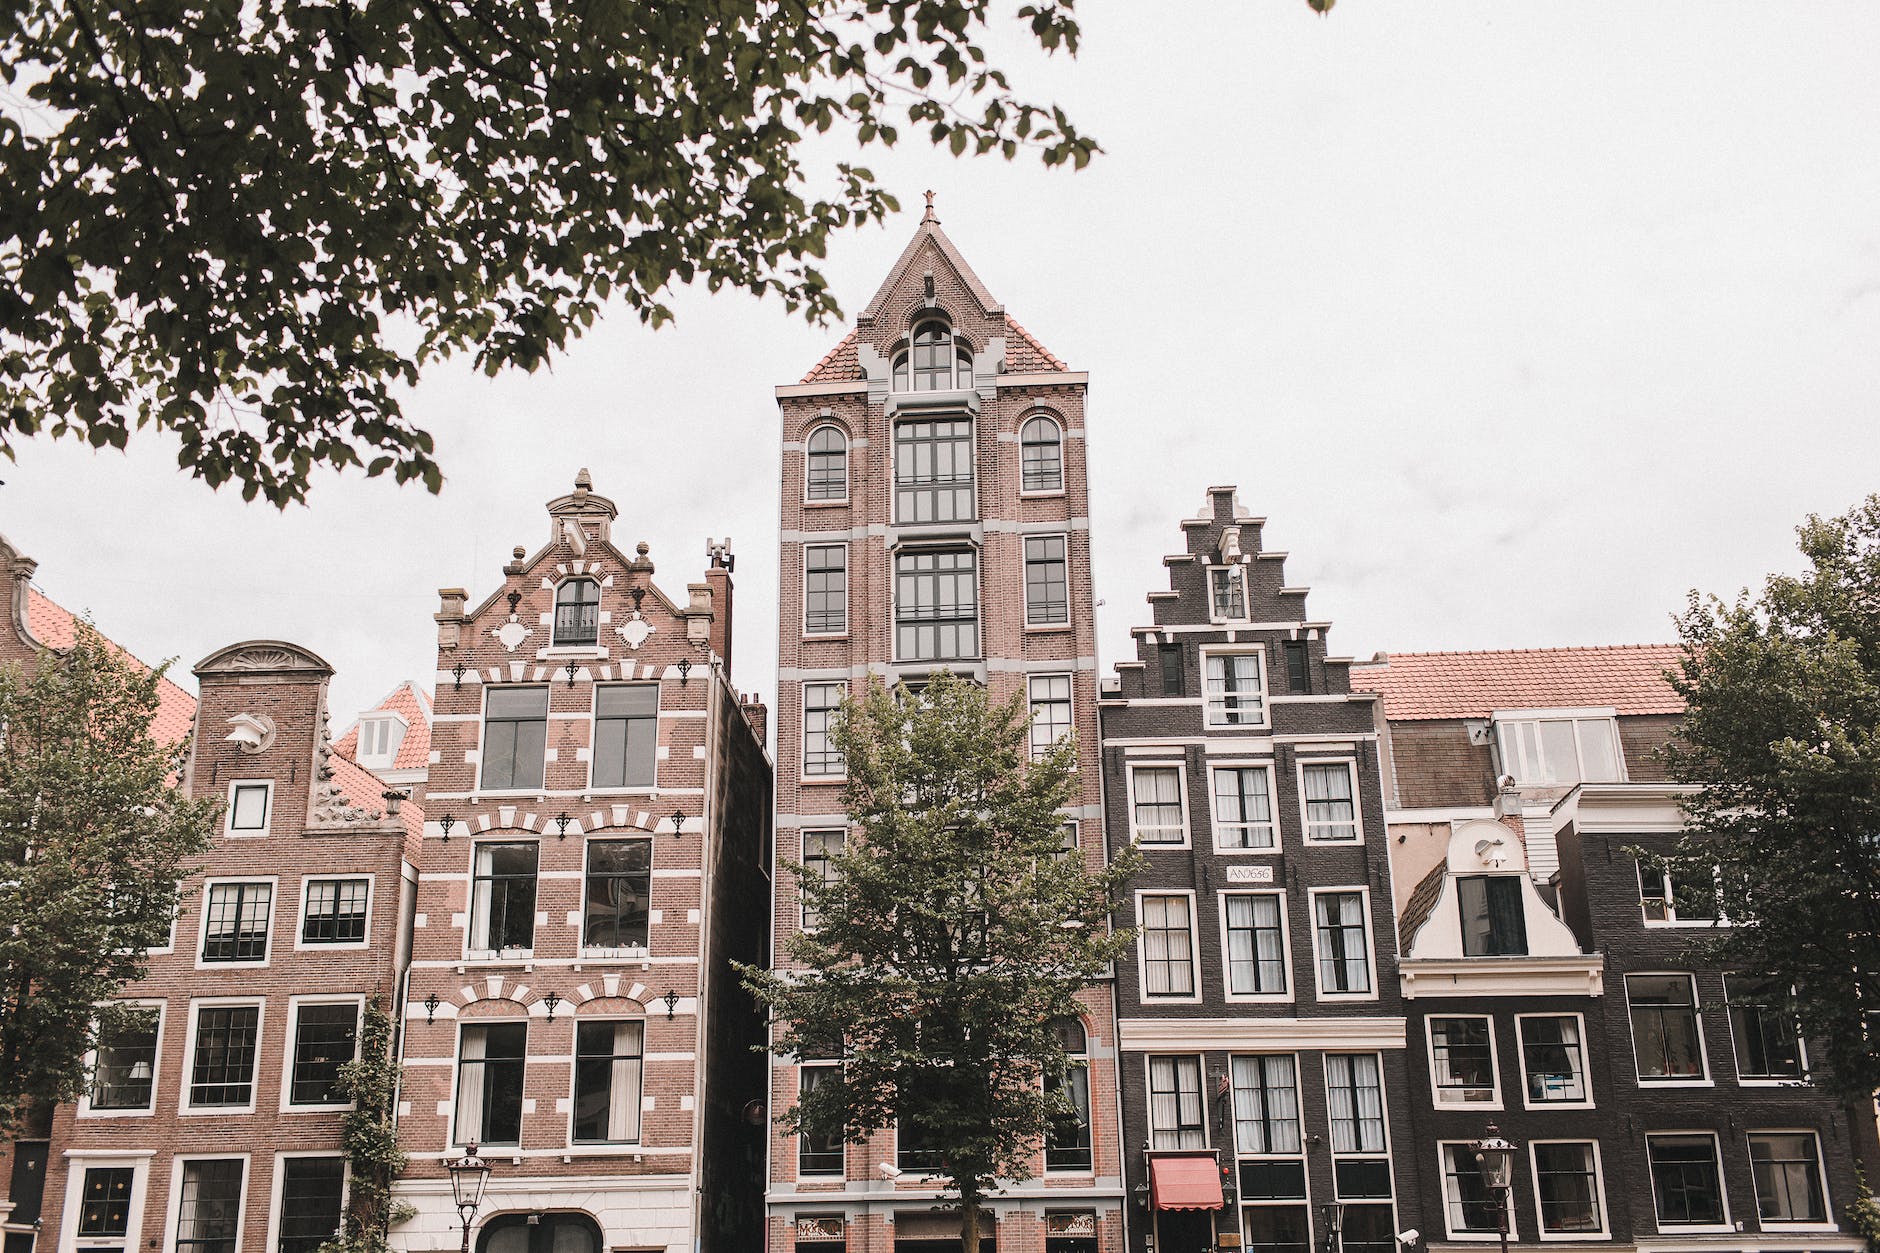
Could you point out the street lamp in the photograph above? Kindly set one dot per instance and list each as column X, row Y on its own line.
column 468, row 1174
column 1494, row 1156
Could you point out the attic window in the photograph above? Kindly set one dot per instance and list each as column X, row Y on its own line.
column 934, row 361
column 379, row 738
column 1542, row 748
column 577, row 612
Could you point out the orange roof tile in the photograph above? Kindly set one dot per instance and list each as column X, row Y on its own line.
column 413, row 705
column 1627, row 677
column 1023, row 355
column 53, row 625
column 367, row 790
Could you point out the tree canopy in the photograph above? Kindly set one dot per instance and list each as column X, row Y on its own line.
column 1783, row 732
column 251, row 226
column 93, row 839
column 951, row 938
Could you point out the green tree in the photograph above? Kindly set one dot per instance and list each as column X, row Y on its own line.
column 370, row 1137
column 950, row 941
column 93, row 839
column 1783, row 732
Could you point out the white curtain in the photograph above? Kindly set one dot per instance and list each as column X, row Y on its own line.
column 470, row 1086
column 623, row 1088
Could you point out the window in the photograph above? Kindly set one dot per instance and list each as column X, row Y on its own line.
column 820, row 849
column 817, row 1154
column 1040, row 456
column 1665, row 1036
column 577, row 612
column 619, row 890
column 1678, row 893
column 209, row 1205
column 1067, row 1144
column 1168, row 958
column 1543, row 752
column 1763, row 1026
column 313, row 1191
column 515, row 737
column 933, row 471
column 826, row 589
column 1275, row 1228
column 1047, row 582
column 125, row 1071
column 222, row 1056
column 1553, row 1059
column 607, row 1058
column 1243, row 807
column 915, row 1147
column 502, row 899
column 1566, row 1184
column 1050, row 711
column 1235, row 690
column 1068, row 845
column 325, row 1038
column 936, row 359
column 380, row 736
column 335, row 911
column 104, row 1206
column 1157, row 813
column 822, row 705
column 1462, row 1061
column 248, row 805
column 626, row 735
column 1256, row 944
column 828, row 474
column 1227, row 586
column 1354, row 1090
column 1175, row 1112
column 1367, row 1228
column 1468, row 1205
column 1344, row 954
column 936, row 605
column 1266, row 1104
column 1298, row 672
column 1686, row 1186
column 1787, row 1168
column 235, row 922
column 1492, row 922
column 1330, row 800
column 489, row 1082
column 1169, row 658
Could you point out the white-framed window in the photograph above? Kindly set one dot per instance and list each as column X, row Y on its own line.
column 1341, row 943
column 335, row 912
column 1764, row 1031
column 1568, row 1189
column 826, row 460
column 626, row 736
column 490, row 1063
column 104, row 1202
column 1354, row 1096
column 1253, row 935
column 1667, row 1036
column 237, row 921
column 309, row 1201
column 1047, row 580
column 1328, row 797
column 207, row 1198
column 123, row 1067
column 616, row 897
column 577, row 613
column 1158, row 804
column 1243, row 808
column 1471, row 1211
column 1675, row 895
column 1553, row 1061
column 1166, row 945
column 1786, row 1166
column 224, row 1049
column 933, row 471
column 820, row 850
column 380, row 737
column 822, row 706
column 1463, row 1067
column 609, row 1056
column 502, row 896
column 1266, row 1104
column 1177, row 1117
column 1235, row 685
column 935, row 360
column 1050, row 711
column 1550, row 748
column 250, row 806
column 1227, row 593
column 322, row 1036
column 1040, row 456
column 1687, row 1181
column 826, row 589
column 1493, row 915
column 515, row 738
column 936, row 604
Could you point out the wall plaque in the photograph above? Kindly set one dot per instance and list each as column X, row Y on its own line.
column 1250, row 874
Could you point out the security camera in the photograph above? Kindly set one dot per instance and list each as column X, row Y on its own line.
column 1409, row 1237
column 890, row 1171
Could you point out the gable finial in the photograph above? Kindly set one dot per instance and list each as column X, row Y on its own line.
column 929, row 216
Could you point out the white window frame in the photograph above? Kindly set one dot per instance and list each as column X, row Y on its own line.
column 1821, row 1177
column 1723, row 1186
column 1216, row 822
column 1207, row 1123
column 294, row 1005
column 78, row 1162
column 1024, row 588
column 280, row 1179
column 267, row 810
column 202, row 920
column 1258, row 653
column 471, row 951
column 1707, row 1079
column 1383, row 1096
column 1070, row 680
column 597, row 1148
column 1285, row 948
column 1494, row 1064
column 1143, row 995
column 1370, row 941
column 848, row 455
column 1357, row 800
column 1239, row 570
column 1511, row 763
column 802, row 901
column 300, row 916
column 1599, row 1191
column 456, row 1066
column 156, row 1071
column 847, row 587
column 185, row 1078
column 802, row 763
column 1671, row 918
column 1180, row 766
column 1232, row 1131
column 594, row 719
column 175, row 1212
column 483, row 735
column 1586, row 1070
column 1736, row 1058
column 380, row 761
column 1513, row 1212
column 1025, row 419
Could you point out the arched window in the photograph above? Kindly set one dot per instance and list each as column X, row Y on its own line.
column 934, row 360
column 828, row 471
column 555, row 1231
column 1041, row 456
column 1067, row 1144
column 577, row 612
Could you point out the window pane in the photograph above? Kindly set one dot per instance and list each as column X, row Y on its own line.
column 828, row 465
column 1355, row 1092
column 1047, row 586
column 1256, row 962
column 1562, row 758
column 1235, row 694
column 324, row 1040
column 619, row 889
column 223, row 1069
column 1167, row 947
column 826, row 589
column 1599, row 751
column 1492, row 921
column 1568, row 1185
column 1243, row 808
column 1158, row 805
column 1787, row 1169
column 607, row 1082
column 126, row 1066
column 1331, row 810
column 1041, row 456
column 1229, row 593
column 489, row 1083
column 1174, row 681
column 1684, row 1180
column 936, row 605
column 822, row 706
column 503, row 897
column 1344, row 956
column 1762, row 1022
column 626, row 735
column 515, row 737
column 238, row 915
column 209, row 1206
column 1462, row 1059
column 1664, row 1026
column 312, row 1196
column 1553, row 1059
column 249, row 809
column 335, row 912
column 105, row 1204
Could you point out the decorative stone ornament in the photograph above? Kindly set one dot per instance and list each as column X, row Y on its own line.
column 252, row 733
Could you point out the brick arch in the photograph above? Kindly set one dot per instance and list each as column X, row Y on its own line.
column 610, row 1006
column 491, row 1007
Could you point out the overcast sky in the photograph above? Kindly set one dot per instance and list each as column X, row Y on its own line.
column 1515, row 321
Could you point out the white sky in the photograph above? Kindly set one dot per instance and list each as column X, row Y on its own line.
column 1516, row 321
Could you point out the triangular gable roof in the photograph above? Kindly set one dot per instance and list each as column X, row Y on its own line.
column 1627, row 677
column 411, row 703
column 1023, row 355
column 929, row 230
column 55, row 626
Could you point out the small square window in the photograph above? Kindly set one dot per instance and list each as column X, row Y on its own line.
column 1228, row 593
column 248, row 808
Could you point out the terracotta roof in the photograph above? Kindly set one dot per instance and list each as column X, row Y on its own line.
column 1626, row 677
column 1023, row 355
column 411, row 703
column 367, row 790
column 839, row 364
column 53, row 625
column 1028, row 356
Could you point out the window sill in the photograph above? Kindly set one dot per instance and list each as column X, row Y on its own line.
column 200, row 1111
column 1774, row 1081
column 1646, row 1082
column 146, row 1112
column 1048, row 628
column 616, row 954
column 818, row 637
column 824, row 778
column 1043, row 493
column 1539, row 1106
column 1236, row 850
column 484, row 960
column 1466, row 1106
column 827, row 504
column 1149, row 844
column 596, row 651
column 1581, row 1236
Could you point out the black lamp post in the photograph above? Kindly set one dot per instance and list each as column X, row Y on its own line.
column 468, row 1174
column 1494, row 1156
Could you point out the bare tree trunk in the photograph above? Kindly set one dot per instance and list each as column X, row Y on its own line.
column 969, row 1220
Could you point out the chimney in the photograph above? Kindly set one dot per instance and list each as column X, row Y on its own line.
column 450, row 615
column 756, row 715
column 718, row 578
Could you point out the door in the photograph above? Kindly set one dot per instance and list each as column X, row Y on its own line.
column 1184, row 1231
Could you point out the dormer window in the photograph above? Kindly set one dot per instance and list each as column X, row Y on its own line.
column 379, row 738
column 577, row 612
column 1492, row 922
column 934, row 360
column 1543, row 748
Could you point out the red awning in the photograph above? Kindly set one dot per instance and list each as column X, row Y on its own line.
column 1185, row 1182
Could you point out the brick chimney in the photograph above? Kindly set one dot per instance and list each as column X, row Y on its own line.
column 757, row 714
column 718, row 577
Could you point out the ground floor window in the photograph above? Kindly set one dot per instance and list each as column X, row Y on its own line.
column 1278, row 1228
column 564, row 1232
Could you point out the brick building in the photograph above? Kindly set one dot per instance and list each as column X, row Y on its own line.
column 1655, row 1103
column 934, row 515
column 594, row 851
column 1261, row 1026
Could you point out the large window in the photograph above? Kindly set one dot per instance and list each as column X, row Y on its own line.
column 619, row 889
column 936, row 605
column 1492, row 921
column 209, row 1205
column 335, row 911
column 1763, row 1026
column 1462, row 1061
column 502, row 897
column 820, row 850
column 124, row 1074
column 1678, row 893
column 1067, row 1145
column 1343, row 951
column 489, row 1082
column 1168, row 946
column 325, row 1038
column 1468, row 1205
column 822, row 706
column 1686, row 1184
column 825, row 589
column 607, row 1059
column 577, row 612
column 104, row 1208
column 313, row 1192
column 1176, row 1115
column 935, row 361
column 235, row 922
column 817, row 1154
column 1157, row 814
column 1665, row 1033
column 1354, row 1090
column 1542, row 751
column 222, row 1056
column 1040, row 455
column 1787, row 1168
column 1266, row 1104
column 1236, row 690
column 1227, row 593
column 1553, row 1059
column 933, row 471
column 1243, row 807
column 827, row 477
column 515, row 737
column 1256, row 943
column 1047, row 581
column 1050, row 711
column 1566, row 1183
column 626, row 735
column 1330, row 795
